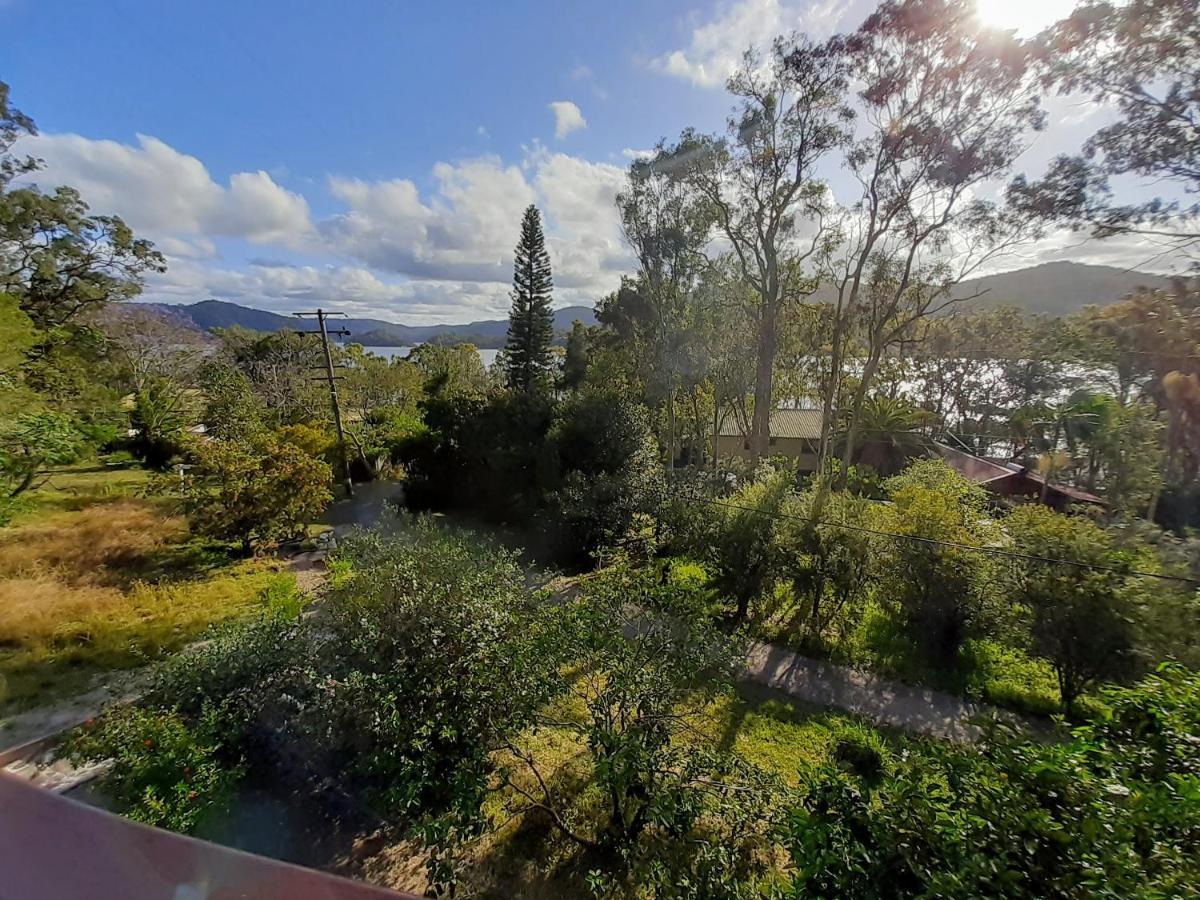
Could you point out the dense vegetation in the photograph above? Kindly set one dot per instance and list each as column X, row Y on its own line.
column 589, row 734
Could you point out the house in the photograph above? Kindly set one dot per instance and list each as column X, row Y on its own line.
column 795, row 433
column 1011, row 479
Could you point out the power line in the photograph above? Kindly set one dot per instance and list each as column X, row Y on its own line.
column 996, row 551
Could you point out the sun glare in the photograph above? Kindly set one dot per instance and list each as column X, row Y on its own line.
column 1026, row 17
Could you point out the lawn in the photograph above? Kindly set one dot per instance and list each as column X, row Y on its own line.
column 525, row 857
column 95, row 576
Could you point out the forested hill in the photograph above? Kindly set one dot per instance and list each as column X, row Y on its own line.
column 210, row 314
column 1059, row 288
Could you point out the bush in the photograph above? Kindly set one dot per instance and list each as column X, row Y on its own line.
column 430, row 657
column 1112, row 812
column 829, row 568
column 253, row 491
column 488, row 453
column 610, row 473
column 32, row 441
column 1082, row 620
column 166, row 771
column 743, row 552
column 942, row 593
column 638, row 660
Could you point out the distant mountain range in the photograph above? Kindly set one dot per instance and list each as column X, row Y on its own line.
column 1057, row 288
column 209, row 314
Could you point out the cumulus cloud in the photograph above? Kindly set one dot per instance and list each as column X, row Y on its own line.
column 465, row 231
column 715, row 46
column 161, row 191
column 393, row 248
column 354, row 290
column 567, row 118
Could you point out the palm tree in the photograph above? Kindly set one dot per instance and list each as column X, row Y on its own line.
column 893, row 433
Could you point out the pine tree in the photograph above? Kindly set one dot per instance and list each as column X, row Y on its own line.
column 575, row 362
column 531, row 321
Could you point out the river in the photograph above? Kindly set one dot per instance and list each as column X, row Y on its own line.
column 485, row 355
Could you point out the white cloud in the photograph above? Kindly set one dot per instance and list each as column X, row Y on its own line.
column 354, row 290
column 715, row 47
column 567, row 118
column 465, row 232
column 161, row 191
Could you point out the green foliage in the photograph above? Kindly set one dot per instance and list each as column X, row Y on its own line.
column 941, row 593
column 743, row 551
column 33, row 441
column 68, row 261
column 488, row 453
column 639, row 663
column 279, row 369
column 829, row 567
column 166, row 771
column 1081, row 617
column 315, row 439
column 253, row 492
column 434, row 632
column 1111, row 812
column 531, row 321
column 162, row 409
column 450, row 372
column 17, row 338
column 575, row 362
column 609, row 472
column 232, row 410
column 426, row 657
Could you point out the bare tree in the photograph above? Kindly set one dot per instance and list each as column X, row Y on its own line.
column 944, row 110
column 760, row 180
column 668, row 225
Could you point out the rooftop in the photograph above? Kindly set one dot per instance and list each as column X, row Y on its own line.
column 785, row 423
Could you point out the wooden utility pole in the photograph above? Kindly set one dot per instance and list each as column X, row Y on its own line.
column 321, row 315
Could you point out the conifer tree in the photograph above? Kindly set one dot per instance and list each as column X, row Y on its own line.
column 531, row 322
column 575, row 362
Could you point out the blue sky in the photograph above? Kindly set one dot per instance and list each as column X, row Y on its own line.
column 376, row 155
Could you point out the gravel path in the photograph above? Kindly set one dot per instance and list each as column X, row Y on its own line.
column 913, row 709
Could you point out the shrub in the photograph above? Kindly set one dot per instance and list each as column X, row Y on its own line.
column 162, row 409
column 611, row 475
column 639, row 659
column 1081, row 617
column 942, row 593
column 743, row 552
column 1112, row 812
column 253, row 491
column 165, row 771
column 32, row 441
column 829, row 568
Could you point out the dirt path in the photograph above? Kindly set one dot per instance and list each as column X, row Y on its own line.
column 912, row 709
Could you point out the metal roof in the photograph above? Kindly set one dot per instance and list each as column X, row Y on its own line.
column 785, row 423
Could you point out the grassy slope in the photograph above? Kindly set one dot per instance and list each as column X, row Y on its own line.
column 95, row 576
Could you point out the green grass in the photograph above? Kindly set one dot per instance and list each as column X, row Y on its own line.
column 786, row 738
column 526, row 857
column 80, row 486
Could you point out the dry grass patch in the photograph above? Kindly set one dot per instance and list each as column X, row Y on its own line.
column 56, row 637
column 105, row 543
column 94, row 578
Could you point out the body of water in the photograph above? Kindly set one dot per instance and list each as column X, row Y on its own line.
column 487, row 356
